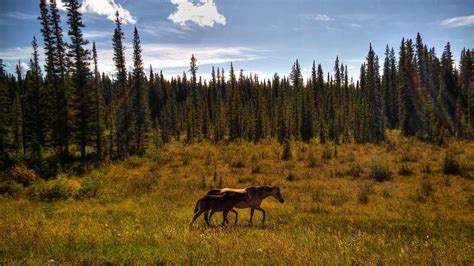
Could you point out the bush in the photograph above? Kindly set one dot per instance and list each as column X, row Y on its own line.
column 380, row 172
column 451, row 165
column 89, row 187
column 143, row 184
column 53, row 190
column 318, row 195
column 355, row 170
column 257, row 169
column 237, row 163
column 291, row 176
column 364, row 193
column 404, row 170
column 11, row 188
column 312, row 163
column 426, row 169
column 338, row 199
column 21, row 175
column 327, row 153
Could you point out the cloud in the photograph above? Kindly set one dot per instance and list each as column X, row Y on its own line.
column 177, row 56
column 165, row 28
column 317, row 17
column 204, row 13
column 104, row 8
column 458, row 22
column 96, row 34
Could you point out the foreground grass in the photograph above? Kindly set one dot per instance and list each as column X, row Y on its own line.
column 331, row 215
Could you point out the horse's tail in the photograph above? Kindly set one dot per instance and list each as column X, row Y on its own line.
column 196, row 208
column 214, row 191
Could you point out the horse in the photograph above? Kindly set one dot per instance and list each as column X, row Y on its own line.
column 224, row 203
column 257, row 194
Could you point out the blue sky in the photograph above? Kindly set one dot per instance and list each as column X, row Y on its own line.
column 259, row 36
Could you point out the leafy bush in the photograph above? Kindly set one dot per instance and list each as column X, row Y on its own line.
column 380, row 172
column 21, row 175
column 11, row 188
column 89, row 187
column 405, row 170
column 53, row 190
column 143, row 184
column 451, row 164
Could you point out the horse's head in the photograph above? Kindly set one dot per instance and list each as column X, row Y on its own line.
column 275, row 192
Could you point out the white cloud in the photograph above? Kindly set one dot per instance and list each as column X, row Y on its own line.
column 96, row 34
column 318, row 17
column 104, row 8
column 168, row 56
column 458, row 21
column 204, row 13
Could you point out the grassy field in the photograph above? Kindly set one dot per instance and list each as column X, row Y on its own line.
column 335, row 212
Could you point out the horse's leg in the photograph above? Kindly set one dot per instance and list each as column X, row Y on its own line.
column 263, row 212
column 195, row 217
column 252, row 210
column 224, row 213
column 210, row 215
column 206, row 217
column 236, row 214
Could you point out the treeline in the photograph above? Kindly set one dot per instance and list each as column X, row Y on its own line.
column 73, row 113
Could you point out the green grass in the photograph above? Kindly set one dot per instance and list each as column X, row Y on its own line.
column 139, row 210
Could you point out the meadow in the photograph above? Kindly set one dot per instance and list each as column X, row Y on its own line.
column 401, row 202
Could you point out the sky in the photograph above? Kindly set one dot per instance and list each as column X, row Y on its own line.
column 258, row 36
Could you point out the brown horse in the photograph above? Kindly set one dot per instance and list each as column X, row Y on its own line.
column 256, row 194
column 215, row 203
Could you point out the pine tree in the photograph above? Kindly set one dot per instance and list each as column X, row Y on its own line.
column 83, row 95
column 140, row 107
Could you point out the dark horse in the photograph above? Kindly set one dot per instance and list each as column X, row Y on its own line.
column 215, row 203
column 256, row 194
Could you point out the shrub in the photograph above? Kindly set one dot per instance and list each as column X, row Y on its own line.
column 143, row 184
column 237, row 163
column 53, row 190
column 405, row 170
column 286, row 151
column 257, row 169
column 291, row 176
column 11, row 188
column 380, row 172
column 327, row 153
column 317, row 195
column 451, row 165
column 312, row 163
column 426, row 169
column 355, row 170
column 21, row 175
column 89, row 187
column 364, row 193
column 338, row 199
column 387, row 193
column 425, row 190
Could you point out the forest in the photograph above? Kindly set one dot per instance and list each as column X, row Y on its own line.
column 68, row 112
